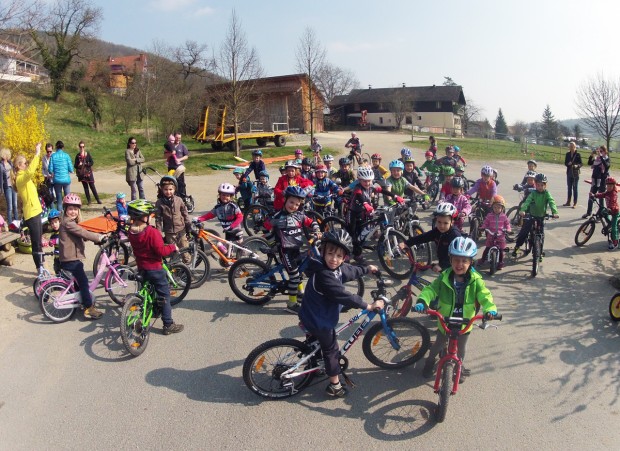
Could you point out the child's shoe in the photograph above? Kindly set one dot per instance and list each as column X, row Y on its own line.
column 293, row 307
column 611, row 246
column 92, row 313
column 429, row 367
column 336, row 391
column 515, row 251
column 173, row 328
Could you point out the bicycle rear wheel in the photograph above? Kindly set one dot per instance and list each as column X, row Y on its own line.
column 411, row 343
column 199, row 267
column 134, row 332
column 394, row 260
column 124, row 253
column 585, row 232
column 254, row 219
column 264, row 366
column 333, row 223
column 614, row 307
column 423, row 253
column 256, row 245
column 248, row 279
column 120, row 283
column 516, row 221
column 474, row 228
column 181, row 282
column 445, row 391
column 51, row 293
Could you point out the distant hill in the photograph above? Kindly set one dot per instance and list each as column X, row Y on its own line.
column 570, row 123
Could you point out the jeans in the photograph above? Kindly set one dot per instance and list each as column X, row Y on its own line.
column 573, row 183
column 61, row 190
column 76, row 268
column 35, row 228
column 11, row 204
column 137, row 191
column 157, row 277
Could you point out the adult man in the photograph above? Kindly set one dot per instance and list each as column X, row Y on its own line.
column 182, row 155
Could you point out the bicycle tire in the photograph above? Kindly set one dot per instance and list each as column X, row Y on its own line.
column 614, row 307
column 182, row 277
column 333, row 223
column 493, row 261
column 115, row 288
column 254, row 219
column 474, row 228
column 255, row 244
column 412, row 337
column 244, row 271
column 134, row 333
column 585, row 232
column 50, row 292
column 365, row 156
column 264, row 365
column 316, row 216
column 423, row 252
column 124, row 254
column 394, row 260
column 516, row 222
column 445, row 390
column 199, row 267
column 536, row 253
column 433, row 191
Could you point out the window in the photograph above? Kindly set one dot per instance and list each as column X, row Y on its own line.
column 438, row 105
column 409, row 120
column 380, row 120
column 419, row 118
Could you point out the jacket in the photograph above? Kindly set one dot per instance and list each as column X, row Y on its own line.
column 5, row 176
column 228, row 214
column 61, row 167
column 288, row 228
column 83, row 167
column 134, row 162
column 148, row 247
column 496, row 223
column 600, row 166
column 443, row 288
column 485, row 191
column 72, row 237
column 171, row 215
column 27, row 190
column 572, row 162
column 442, row 240
column 611, row 200
column 461, row 202
column 536, row 204
column 282, row 184
column 325, row 293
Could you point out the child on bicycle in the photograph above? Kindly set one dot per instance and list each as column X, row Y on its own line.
column 496, row 225
column 458, row 157
column 306, row 169
column 121, row 204
column 380, row 172
column 54, row 240
column 257, row 164
column 345, row 174
column 328, row 161
column 459, row 290
column 71, row 239
column 536, row 205
column 228, row 213
column 245, row 188
column 399, row 184
column 485, row 186
column 412, row 173
column 611, row 201
column 460, row 201
column 175, row 167
column 448, row 173
column 449, row 159
column 324, row 296
column 264, row 192
column 149, row 249
column 290, row 178
column 299, row 156
column 171, row 216
column 316, row 148
column 323, row 186
column 529, row 185
column 287, row 228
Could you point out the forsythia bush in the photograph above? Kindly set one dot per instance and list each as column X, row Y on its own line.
column 21, row 129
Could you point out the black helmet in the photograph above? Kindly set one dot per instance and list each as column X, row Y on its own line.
column 307, row 161
column 168, row 179
column 457, row 182
column 540, row 178
column 340, row 238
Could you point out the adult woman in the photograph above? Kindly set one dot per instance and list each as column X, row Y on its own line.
column 29, row 196
column 60, row 167
column 573, row 163
column 599, row 161
column 133, row 173
column 6, row 185
column 47, row 177
column 83, row 168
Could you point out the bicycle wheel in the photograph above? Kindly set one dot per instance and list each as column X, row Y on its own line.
column 266, row 363
column 316, row 217
column 585, row 232
column 423, row 253
column 355, row 286
column 412, row 341
column 394, row 260
column 199, row 267
column 181, row 282
column 189, row 204
column 256, row 245
column 365, row 157
column 536, row 254
column 52, row 292
column 445, row 390
column 333, row 223
column 124, row 254
column 134, row 332
column 254, row 219
column 248, row 279
column 120, row 283
column 474, row 228
column 516, row 221
column 433, row 191
column 493, row 260
column 614, row 307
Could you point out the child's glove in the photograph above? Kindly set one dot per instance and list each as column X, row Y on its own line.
column 399, row 199
column 420, row 307
column 368, row 208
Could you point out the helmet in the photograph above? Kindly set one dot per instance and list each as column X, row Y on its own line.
column 257, row 152
column 609, row 181
column 397, row 164
column 365, row 173
column 457, row 149
column 463, row 247
column 404, row 152
column 457, row 182
column 448, row 170
column 226, row 188
column 532, row 162
column 282, row 168
column 53, row 214
column 168, row 180
column 307, row 161
column 530, row 174
column 375, row 156
column 540, row 178
column 459, row 168
column 140, row 207
column 120, row 195
column 294, row 191
column 320, row 168
column 72, row 199
column 291, row 164
column 486, row 170
column 340, row 238
column 497, row 199
column 238, row 171
column 298, row 152
column 429, row 154
column 445, row 209
column 343, row 161
column 450, row 149
column 263, row 174
column 328, row 157
column 408, row 160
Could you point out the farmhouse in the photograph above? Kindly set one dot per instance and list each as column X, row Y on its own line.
column 118, row 71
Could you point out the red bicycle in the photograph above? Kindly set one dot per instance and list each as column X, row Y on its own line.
column 450, row 365
column 407, row 294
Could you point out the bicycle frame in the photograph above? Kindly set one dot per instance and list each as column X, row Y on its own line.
column 208, row 236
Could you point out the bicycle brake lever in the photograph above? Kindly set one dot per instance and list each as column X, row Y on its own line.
column 485, row 325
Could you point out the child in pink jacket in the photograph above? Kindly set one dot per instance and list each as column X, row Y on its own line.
column 460, row 201
column 498, row 225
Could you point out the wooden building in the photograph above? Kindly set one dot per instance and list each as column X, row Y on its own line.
column 118, row 71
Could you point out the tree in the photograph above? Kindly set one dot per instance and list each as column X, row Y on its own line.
column 192, row 59
column 310, row 56
column 549, row 125
column 240, row 66
column 447, row 81
column 563, row 130
column 334, row 81
column 471, row 112
column 400, row 105
column 577, row 131
column 598, row 105
column 519, row 130
column 501, row 129
column 67, row 23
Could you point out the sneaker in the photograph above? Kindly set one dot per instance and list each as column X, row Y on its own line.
column 611, row 246
column 515, row 251
column 293, row 307
column 585, row 216
column 465, row 372
column 429, row 368
column 173, row 328
column 567, row 204
column 336, row 391
column 92, row 313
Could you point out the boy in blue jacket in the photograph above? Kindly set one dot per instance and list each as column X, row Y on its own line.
column 324, row 296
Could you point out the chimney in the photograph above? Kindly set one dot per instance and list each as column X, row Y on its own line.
column 369, row 87
column 403, row 85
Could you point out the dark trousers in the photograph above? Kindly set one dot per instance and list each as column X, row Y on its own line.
column 572, row 183
column 91, row 184
column 290, row 260
column 36, row 232
column 182, row 186
column 157, row 277
column 598, row 186
column 76, row 268
column 442, row 340
column 525, row 229
column 329, row 348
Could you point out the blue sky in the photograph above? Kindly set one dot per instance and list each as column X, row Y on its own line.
column 517, row 55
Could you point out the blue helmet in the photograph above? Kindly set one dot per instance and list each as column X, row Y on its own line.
column 239, row 170
column 53, row 214
column 463, row 247
column 404, row 152
column 457, row 149
column 295, row 191
column 257, row 152
column 397, row 164
column 263, row 174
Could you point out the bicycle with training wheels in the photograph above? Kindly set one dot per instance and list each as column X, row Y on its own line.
column 450, row 365
column 45, row 275
column 586, row 230
column 117, row 246
column 283, row 367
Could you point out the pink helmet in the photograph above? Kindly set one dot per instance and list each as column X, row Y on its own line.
column 298, row 152
column 72, row 199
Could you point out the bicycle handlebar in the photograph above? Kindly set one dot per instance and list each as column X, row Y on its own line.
column 463, row 321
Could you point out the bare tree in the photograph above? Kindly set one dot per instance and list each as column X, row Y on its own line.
column 334, row 81
column 471, row 112
column 240, row 66
column 598, row 105
column 519, row 129
column 192, row 59
column 67, row 23
column 401, row 104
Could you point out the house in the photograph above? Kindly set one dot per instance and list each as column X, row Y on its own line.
column 117, row 72
column 433, row 109
column 15, row 66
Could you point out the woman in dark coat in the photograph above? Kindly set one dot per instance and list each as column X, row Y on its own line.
column 84, row 170
column 573, row 164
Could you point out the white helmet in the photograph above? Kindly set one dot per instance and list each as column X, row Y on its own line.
column 486, row 170
column 365, row 173
column 463, row 247
column 445, row 209
column 226, row 188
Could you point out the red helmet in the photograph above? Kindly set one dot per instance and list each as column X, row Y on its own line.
column 375, row 156
column 429, row 154
column 320, row 167
column 610, row 181
column 72, row 199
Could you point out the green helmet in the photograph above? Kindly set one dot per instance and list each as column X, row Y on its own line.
column 140, row 207
column 448, row 170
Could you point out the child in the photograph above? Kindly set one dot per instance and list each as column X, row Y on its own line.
column 432, row 146
column 404, row 154
column 171, row 216
column 287, row 228
column 449, row 159
column 459, row 290
column 599, row 161
column 536, row 205
column 149, row 249
column 460, row 201
column 397, row 183
column 345, row 174
column 290, row 178
column 228, row 213
column 299, row 156
column 380, row 172
column 429, row 166
column 441, row 234
column 264, row 192
column 245, row 188
column 71, row 238
column 458, row 157
column 53, row 219
column 496, row 224
column 121, row 204
column 175, row 167
column 257, row 164
column 324, row 296
column 328, row 161
column 611, row 201
column 485, row 187
column 306, row 168
column 412, row 173
column 316, row 151
column 448, row 173
column 529, row 185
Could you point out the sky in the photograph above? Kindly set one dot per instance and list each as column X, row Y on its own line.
column 515, row 55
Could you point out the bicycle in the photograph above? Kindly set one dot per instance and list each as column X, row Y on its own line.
column 283, row 367
column 535, row 241
column 407, row 222
column 450, row 365
column 187, row 199
column 405, row 296
column 479, row 209
column 516, row 220
column 494, row 250
column 356, row 157
column 586, row 230
column 46, row 275
column 614, row 307
column 117, row 244
column 433, row 185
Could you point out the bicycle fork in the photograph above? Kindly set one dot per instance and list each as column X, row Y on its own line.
column 458, row 363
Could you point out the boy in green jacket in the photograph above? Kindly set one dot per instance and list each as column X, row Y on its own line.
column 458, row 290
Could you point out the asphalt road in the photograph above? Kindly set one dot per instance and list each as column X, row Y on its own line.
column 547, row 378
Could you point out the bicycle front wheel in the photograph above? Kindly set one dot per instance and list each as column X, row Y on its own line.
column 263, row 368
column 516, row 221
column 317, row 217
column 614, row 307
column 423, row 253
column 53, row 292
column 585, row 232
column 474, row 229
column 402, row 343
column 180, row 281
column 248, row 279
column 333, row 223
column 493, row 260
column 200, row 268
column 123, row 251
column 134, row 331
column 392, row 258
column 257, row 246
column 120, row 282
column 445, row 390
column 536, row 255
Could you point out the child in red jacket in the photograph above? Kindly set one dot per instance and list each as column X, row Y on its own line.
column 290, row 178
column 611, row 201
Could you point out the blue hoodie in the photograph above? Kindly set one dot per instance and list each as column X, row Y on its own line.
column 61, row 166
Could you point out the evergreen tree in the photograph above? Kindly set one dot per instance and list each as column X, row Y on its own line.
column 549, row 125
column 577, row 131
column 501, row 129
